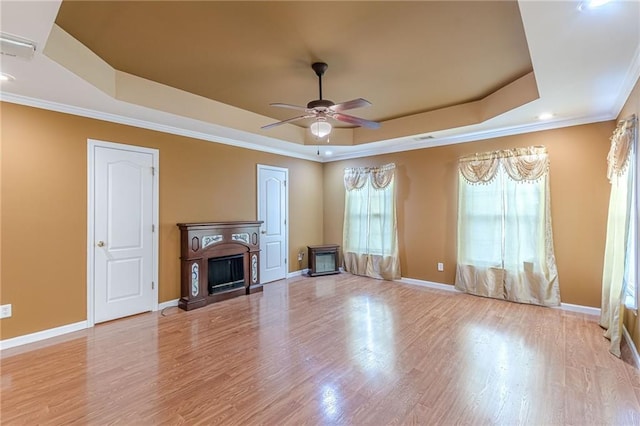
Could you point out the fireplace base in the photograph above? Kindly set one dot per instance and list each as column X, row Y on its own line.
column 201, row 242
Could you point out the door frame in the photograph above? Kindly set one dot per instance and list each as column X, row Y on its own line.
column 286, row 208
column 155, row 153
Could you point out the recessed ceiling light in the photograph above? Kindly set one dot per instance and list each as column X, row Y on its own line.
column 545, row 116
column 592, row 4
column 6, row 77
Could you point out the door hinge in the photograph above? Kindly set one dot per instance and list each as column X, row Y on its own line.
column 285, row 183
column 285, row 261
column 153, row 171
column 153, row 228
column 153, row 285
column 285, row 221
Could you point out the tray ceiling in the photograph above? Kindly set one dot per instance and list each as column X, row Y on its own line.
column 437, row 72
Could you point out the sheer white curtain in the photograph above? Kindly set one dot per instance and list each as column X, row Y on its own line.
column 505, row 243
column 619, row 277
column 370, row 235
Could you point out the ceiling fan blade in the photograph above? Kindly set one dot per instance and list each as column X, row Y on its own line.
column 356, row 120
column 268, row 126
column 281, row 105
column 352, row 104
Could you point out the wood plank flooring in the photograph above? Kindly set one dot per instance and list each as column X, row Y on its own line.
column 329, row 350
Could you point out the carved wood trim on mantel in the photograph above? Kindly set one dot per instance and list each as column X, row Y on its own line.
column 202, row 241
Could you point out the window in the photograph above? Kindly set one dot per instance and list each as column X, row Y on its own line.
column 505, row 248
column 630, row 277
column 620, row 274
column 369, row 213
column 370, row 232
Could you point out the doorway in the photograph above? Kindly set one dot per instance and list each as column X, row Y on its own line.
column 273, row 209
column 122, row 241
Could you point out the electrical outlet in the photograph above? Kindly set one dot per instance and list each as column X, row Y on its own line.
column 440, row 266
column 5, row 311
column 300, row 256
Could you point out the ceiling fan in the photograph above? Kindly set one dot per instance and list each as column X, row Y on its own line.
column 322, row 109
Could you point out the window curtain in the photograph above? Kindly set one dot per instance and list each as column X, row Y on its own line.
column 505, row 243
column 619, row 277
column 370, row 234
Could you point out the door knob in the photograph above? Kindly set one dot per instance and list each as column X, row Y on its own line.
column 100, row 244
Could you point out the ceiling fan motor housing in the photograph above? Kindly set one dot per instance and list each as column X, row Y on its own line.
column 319, row 68
column 322, row 103
column 321, row 109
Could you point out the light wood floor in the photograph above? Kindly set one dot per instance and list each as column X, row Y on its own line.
column 330, row 350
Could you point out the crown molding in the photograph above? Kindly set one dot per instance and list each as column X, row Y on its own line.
column 628, row 83
column 409, row 144
column 134, row 122
column 399, row 145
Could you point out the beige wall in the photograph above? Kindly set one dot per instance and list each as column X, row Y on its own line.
column 632, row 106
column 427, row 205
column 44, row 207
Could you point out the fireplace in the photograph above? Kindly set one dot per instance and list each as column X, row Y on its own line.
column 225, row 273
column 323, row 259
column 219, row 260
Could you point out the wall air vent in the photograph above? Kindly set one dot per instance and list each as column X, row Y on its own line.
column 16, row 47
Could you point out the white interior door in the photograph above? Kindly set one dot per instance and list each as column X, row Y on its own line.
column 272, row 209
column 122, row 236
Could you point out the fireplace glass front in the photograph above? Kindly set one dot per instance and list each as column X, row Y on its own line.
column 226, row 273
column 323, row 259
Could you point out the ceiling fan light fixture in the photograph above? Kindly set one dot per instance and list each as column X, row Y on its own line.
column 322, row 109
column 320, row 128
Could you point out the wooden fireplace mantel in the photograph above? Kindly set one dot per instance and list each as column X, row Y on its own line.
column 202, row 241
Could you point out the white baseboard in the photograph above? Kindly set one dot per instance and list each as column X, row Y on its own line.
column 69, row 328
column 429, row 284
column 298, row 273
column 41, row 335
column 634, row 350
column 168, row 304
column 579, row 308
column 59, row 331
column 447, row 287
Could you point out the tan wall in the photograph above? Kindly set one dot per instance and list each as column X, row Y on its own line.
column 632, row 106
column 427, row 205
column 44, row 207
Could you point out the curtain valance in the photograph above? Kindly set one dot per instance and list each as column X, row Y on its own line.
column 370, row 233
column 357, row 177
column 505, row 240
column 619, row 271
column 618, row 157
column 520, row 164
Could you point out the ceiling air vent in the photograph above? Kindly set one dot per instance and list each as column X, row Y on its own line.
column 16, row 47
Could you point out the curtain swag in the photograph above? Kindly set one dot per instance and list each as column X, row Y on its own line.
column 520, row 164
column 619, row 270
column 381, row 177
column 370, row 233
column 505, row 239
column 618, row 157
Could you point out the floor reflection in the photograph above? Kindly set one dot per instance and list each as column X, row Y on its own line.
column 331, row 398
column 372, row 333
column 325, row 288
column 491, row 359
